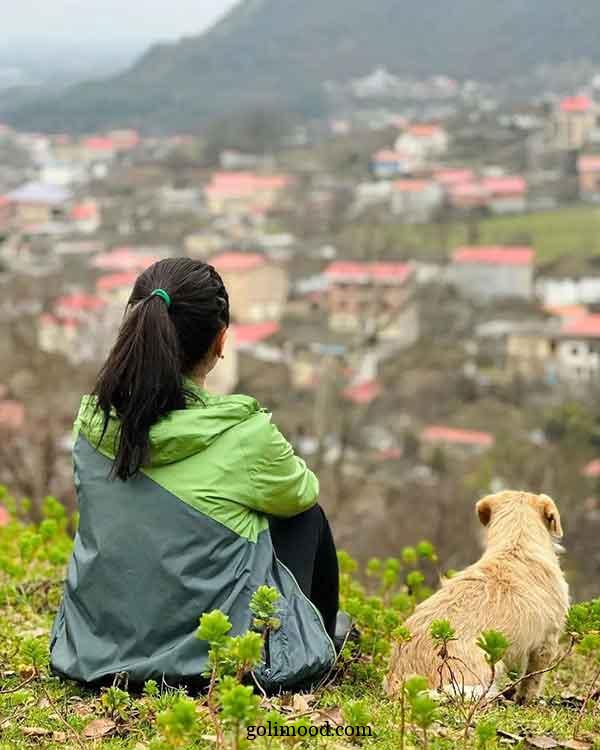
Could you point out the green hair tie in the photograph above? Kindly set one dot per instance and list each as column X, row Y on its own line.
column 163, row 295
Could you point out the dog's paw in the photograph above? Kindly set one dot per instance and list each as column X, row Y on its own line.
column 525, row 697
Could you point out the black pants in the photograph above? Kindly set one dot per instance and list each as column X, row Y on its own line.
column 305, row 545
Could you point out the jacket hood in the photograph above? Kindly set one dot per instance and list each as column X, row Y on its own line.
column 181, row 434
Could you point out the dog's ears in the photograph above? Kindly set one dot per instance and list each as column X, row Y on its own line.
column 551, row 516
column 484, row 510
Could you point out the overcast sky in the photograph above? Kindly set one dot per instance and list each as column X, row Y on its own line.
column 101, row 20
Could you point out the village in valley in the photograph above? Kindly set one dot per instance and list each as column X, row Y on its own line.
column 415, row 296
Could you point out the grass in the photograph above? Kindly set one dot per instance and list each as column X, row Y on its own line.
column 38, row 711
column 563, row 233
column 569, row 236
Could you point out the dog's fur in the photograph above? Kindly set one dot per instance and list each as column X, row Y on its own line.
column 517, row 587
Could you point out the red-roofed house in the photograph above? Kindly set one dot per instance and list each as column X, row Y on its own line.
column 38, row 204
column 423, row 141
column 491, row 272
column 250, row 334
column 389, row 163
column 124, row 140
column 588, row 169
column 506, row 194
column 578, row 349
column 97, row 148
column 116, row 288
column 258, row 287
column 472, row 441
column 466, row 196
column 78, row 304
column 449, row 177
column 125, row 259
column 576, row 104
column 244, row 192
column 58, row 334
column 575, row 119
column 363, row 393
column 373, row 297
column 85, row 216
column 416, row 200
column 67, row 329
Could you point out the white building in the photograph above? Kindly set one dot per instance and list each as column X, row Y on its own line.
column 423, row 141
column 415, row 200
column 62, row 173
column 557, row 292
column 487, row 273
column 578, row 350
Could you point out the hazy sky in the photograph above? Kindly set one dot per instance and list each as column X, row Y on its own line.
column 101, row 20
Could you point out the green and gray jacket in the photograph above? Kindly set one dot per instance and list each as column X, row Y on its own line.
column 187, row 535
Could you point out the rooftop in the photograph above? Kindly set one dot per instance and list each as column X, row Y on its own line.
column 98, row 143
column 245, row 183
column 468, row 190
column 507, row 185
column 566, row 311
column 584, row 326
column 494, row 255
column 424, row 129
column 116, row 281
column 40, row 192
column 388, row 155
column 363, row 393
column 361, row 272
column 254, row 333
column 455, row 436
column 84, row 210
column 411, row 186
column 237, row 261
column 124, row 259
column 79, row 302
column 580, row 103
column 449, row 177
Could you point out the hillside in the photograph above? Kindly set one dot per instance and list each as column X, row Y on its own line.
column 40, row 712
column 278, row 53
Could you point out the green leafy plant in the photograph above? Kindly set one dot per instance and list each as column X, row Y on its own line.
column 263, row 605
column 494, row 644
column 583, row 625
column 35, row 653
column 424, row 709
column 116, row 703
column 485, row 731
column 232, row 705
column 442, row 632
column 239, row 707
column 178, row 725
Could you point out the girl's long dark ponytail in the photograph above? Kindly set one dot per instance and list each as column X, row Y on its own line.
column 158, row 343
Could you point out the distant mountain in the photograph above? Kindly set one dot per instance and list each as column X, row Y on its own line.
column 276, row 54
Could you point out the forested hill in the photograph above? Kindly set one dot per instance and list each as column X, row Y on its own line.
column 278, row 53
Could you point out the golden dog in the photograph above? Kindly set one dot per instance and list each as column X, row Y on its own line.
column 517, row 587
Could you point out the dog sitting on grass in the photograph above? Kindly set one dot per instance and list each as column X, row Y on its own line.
column 517, row 588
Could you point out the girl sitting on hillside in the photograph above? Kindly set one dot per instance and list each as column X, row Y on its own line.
column 188, row 503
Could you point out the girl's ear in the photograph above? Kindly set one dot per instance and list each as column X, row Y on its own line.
column 220, row 342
